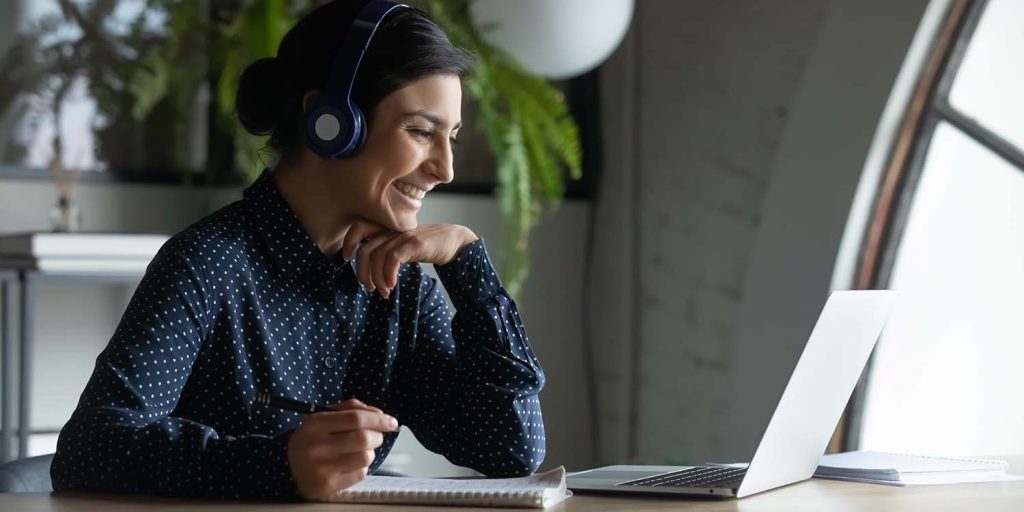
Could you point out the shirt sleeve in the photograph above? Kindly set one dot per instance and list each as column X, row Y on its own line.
column 123, row 436
column 473, row 394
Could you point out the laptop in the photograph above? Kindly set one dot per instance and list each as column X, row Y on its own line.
column 806, row 416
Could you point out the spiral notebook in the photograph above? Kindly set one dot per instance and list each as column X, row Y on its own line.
column 541, row 490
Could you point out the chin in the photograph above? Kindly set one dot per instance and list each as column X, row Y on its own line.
column 402, row 225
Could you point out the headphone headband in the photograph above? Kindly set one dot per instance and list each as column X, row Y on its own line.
column 350, row 55
column 334, row 126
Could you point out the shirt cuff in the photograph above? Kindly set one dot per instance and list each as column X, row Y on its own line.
column 470, row 278
column 286, row 487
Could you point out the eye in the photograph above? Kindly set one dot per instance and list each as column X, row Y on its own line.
column 453, row 141
column 420, row 133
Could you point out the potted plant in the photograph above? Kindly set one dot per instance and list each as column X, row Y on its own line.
column 527, row 125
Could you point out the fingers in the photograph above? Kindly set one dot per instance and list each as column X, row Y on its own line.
column 376, row 266
column 360, row 460
column 364, row 261
column 390, row 266
column 357, row 232
column 387, row 259
column 355, row 441
column 345, row 480
column 334, row 450
column 379, row 258
column 355, row 403
column 353, row 419
column 323, row 483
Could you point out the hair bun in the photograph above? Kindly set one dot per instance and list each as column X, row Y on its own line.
column 259, row 100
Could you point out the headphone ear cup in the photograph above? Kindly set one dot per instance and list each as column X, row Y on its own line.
column 359, row 129
column 328, row 130
column 334, row 127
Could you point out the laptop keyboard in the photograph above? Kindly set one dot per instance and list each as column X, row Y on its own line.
column 701, row 476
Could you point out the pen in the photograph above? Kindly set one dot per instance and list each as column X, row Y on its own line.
column 264, row 398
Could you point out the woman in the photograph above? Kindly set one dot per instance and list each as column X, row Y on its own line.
column 310, row 288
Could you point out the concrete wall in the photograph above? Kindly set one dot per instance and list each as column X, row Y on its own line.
column 848, row 81
column 741, row 130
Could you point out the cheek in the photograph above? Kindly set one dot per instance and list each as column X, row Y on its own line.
column 401, row 162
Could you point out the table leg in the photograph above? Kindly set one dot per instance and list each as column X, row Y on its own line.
column 6, row 432
column 27, row 310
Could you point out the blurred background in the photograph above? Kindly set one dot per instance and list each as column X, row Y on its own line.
column 707, row 173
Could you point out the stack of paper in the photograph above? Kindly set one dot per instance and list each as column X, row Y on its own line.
column 79, row 253
column 901, row 469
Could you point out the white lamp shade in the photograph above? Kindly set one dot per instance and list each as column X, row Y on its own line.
column 555, row 39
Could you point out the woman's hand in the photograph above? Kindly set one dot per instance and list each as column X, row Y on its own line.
column 379, row 252
column 331, row 451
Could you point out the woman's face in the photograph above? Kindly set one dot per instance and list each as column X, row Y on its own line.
column 407, row 152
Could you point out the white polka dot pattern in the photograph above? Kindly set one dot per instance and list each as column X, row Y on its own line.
column 244, row 301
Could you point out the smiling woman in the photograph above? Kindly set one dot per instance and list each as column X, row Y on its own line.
column 407, row 152
column 310, row 288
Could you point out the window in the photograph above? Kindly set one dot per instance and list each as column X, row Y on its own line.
column 947, row 373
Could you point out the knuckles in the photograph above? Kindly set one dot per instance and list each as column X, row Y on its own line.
column 370, row 439
column 368, row 457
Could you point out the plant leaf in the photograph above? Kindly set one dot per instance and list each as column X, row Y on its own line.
column 149, row 84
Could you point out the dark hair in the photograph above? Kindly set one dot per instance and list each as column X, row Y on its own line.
column 406, row 47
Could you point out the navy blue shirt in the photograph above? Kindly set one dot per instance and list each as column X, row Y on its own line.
column 245, row 302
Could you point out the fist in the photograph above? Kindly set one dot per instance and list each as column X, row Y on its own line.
column 331, row 451
column 379, row 253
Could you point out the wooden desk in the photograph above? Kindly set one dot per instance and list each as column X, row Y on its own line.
column 812, row 495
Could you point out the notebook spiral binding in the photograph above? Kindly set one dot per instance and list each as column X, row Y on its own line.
column 438, row 496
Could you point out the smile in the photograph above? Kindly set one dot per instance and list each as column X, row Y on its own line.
column 410, row 191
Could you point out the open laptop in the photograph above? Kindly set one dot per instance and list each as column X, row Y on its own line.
column 803, row 422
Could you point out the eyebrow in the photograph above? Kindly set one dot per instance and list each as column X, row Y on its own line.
column 433, row 118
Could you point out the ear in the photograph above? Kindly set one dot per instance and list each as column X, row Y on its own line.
column 309, row 98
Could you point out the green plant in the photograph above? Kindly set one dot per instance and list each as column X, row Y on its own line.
column 169, row 73
column 527, row 125
column 254, row 33
column 240, row 32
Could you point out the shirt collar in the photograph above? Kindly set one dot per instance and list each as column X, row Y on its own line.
column 275, row 223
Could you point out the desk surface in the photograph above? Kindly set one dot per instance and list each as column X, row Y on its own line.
column 812, row 495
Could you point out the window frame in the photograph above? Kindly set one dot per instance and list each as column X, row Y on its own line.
column 929, row 106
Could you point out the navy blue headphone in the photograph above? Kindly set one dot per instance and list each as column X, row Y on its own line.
column 333, row 126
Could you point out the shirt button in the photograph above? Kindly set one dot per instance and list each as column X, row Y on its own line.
column 329, row 361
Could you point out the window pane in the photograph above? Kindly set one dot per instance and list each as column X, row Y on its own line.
column 93, row 79
column 949, row 369
column 991, row 77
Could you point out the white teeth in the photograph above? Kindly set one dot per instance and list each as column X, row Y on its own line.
column 411, row 191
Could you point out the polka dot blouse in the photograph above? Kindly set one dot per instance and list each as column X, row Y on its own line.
column 245, row 302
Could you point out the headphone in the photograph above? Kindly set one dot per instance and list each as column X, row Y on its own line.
column 333, row 126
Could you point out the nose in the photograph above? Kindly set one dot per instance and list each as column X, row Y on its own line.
column 442, row 166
